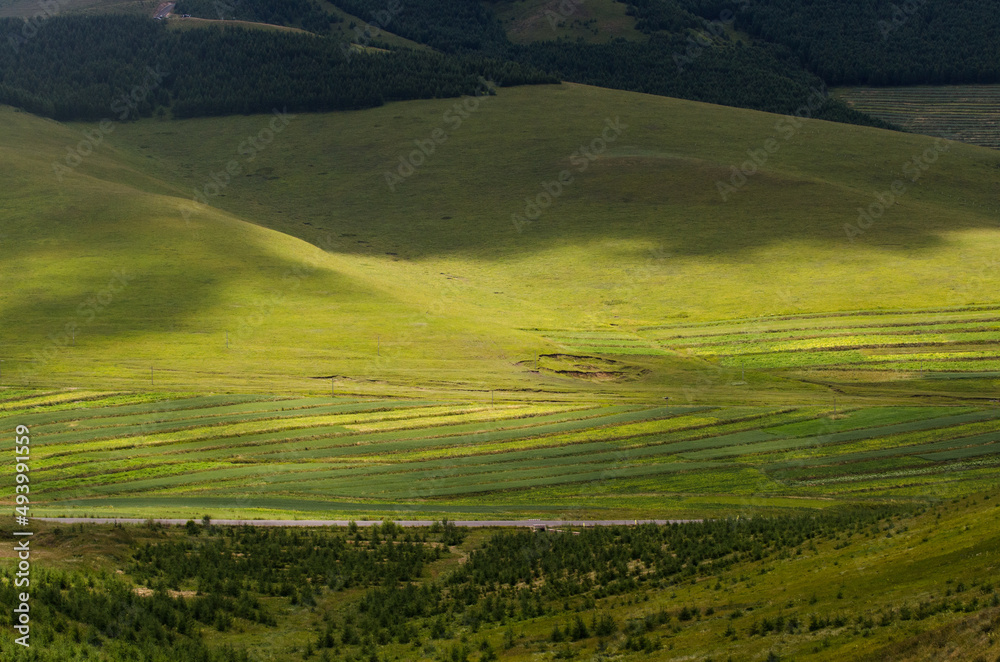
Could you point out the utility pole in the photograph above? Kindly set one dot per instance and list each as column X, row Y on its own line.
column 332, row 393
column 150, row 375
column 227, row 339
column 378, row 345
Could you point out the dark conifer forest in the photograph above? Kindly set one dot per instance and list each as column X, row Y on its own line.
column 94, row 67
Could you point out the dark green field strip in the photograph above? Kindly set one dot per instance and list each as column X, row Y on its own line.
column 456, row 442
column 596, row 453
column 384, row 443
column 32, row 412
column 250, row 503
column 863, row 470
column 21, row 407
column 44, row 418
column 792, row 443
column 929, row 366
column 279, row 446
column 401, row 488
column 916, row 450
column 210, row 477
column 451, row 436
column 723, row 432
column 474, row 468
column 977, row 338
column 866, row 314
column 992, row 448
column 351, row 443
column 855, row 360
column 963, row 375
column 873, row 417
column 143, row 429
column 125, row 425
column 278, row 477
column 783, row 335
column 225, row 412
column 328, row 437
column 498, row 459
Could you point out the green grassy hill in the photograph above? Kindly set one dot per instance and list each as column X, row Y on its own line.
column 433, row 281
column 596, row 21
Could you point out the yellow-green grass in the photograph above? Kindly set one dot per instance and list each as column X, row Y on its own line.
column 299, row 457
column 176, row 22
column 430, row 289
column 916, row 341
column 592, row 21
column 961, row 112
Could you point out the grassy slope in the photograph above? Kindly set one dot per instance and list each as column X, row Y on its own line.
column 944, row 554
column 594, row 21
column 642, row 237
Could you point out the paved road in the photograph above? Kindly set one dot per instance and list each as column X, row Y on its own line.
column 343, row 522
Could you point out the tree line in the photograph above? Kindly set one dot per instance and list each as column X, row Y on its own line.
column 122, row 67
column 371, row 587
column 883, row 42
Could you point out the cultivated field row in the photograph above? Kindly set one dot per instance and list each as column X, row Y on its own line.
column 347, row 452
column 970, row 113
column 943, row 342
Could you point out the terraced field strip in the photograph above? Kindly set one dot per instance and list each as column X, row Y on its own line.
column 392, row 415
column 80, row 411
column 41, row 400
column 371, row 450
column 602, row 342
column 970, row 113
column 964, row 340
column 140, row 425
column 277, row 446
column 217, row 413
column 411, row 452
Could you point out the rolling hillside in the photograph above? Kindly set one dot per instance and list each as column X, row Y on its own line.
column 434, row 276
column 444, row 267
